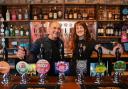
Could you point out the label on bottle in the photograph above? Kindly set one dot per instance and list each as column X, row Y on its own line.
column 59, row 14
column 21, row 33
column 20, row 16
column 13, row 17
column 55, row 15
column 27, row 33
column 7, row 16
column 17, row 32
column 50, row 15
column 26, row 16
column 75, row 15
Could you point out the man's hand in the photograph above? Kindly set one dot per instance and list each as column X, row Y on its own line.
column 20, row 53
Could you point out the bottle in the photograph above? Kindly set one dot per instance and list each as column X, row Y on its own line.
column 35, row 17
column 20, row 17
column 108, row 30
column 16, row 32
column 7, row 15
column 70, row 14
column 84, row 15
column 11, row 30
column 5, row 51
column 21, row 31
column 55, row 13
column 50, row 15
column 100, row 30
column 13, row 15
column 75, row 16
column 111, row 29
column 79, row 14
column 2, row 30
column 66, row 14
column 40, row 14
column 27, row 33
column 1, row 16
column 115, row 30
column 7, row 32
column 45, row 14
column 26, row 15
column 59, row 13
column 110, row 15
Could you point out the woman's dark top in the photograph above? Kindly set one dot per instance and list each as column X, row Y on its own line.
column 83, row 51
column 85, row 48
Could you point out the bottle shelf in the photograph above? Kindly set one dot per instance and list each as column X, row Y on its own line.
column 109, row 37
column 18, row 21
column 19, row 37
column 109, row 20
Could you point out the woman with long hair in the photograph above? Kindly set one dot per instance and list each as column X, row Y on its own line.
column 84, row 45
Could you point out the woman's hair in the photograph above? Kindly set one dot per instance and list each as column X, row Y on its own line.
column 87, row 35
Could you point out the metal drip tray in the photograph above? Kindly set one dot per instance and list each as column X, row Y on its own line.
column 35, row 86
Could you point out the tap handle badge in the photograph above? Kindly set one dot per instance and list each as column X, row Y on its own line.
column 42, row 66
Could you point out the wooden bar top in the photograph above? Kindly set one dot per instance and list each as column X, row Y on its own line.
column 94, row 55
column 69, row 82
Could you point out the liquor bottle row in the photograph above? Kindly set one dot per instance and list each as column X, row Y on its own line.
column 68, row 12
column 108, row 13
column 79, row 13
column 14, row 31
column 47, row 13
column 111, row 29
column 17, row 14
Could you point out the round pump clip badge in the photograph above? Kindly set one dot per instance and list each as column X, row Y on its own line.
column 81, row 64
column 120, row 66
column 4, row 67
column 22, row 67
column 62, row 66
column 42, row 66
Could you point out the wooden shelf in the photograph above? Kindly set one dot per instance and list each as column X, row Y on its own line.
column 20, row 37
column 110, row 20
column 109, row 37
column 94, row 55
column 18, row 21
column 46, row 4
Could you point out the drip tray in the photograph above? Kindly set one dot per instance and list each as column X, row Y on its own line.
column 118, row 86
column 36, row 86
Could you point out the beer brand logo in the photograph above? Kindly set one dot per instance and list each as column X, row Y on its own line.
column 62, row 66
column 22, row 67
column 42, row 66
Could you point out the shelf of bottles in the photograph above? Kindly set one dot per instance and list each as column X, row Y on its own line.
column 16, row 13
column 111, row 20
column 15, row 34
column 108, row 13
column 79, row 12
column 46, row 12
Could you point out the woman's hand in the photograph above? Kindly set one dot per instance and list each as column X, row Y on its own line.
column 115, row 48
column 20, row 53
